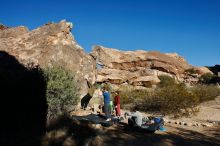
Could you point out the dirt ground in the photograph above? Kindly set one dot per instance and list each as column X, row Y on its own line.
column 174, row 136
column 208, row 111
column 118, row 135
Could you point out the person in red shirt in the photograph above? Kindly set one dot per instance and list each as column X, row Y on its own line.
column 117, row 104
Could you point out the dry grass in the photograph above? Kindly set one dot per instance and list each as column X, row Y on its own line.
column 169, row 98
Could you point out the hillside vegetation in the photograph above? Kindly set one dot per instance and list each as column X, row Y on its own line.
column 170, row 97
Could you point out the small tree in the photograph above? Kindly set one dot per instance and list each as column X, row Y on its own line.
column 62, row 92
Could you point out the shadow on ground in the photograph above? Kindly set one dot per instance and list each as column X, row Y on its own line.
column 68, row 131
column 65, row 131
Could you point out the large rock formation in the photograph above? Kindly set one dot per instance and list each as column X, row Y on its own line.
column 140, row 68
column 53, row 43
column 50, row 44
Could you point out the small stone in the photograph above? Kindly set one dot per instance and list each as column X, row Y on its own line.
column 195, row 124
column 169, row 122
column 189, row 124
column 204, row 125
column 165, row 120
column 198, row 124
column 98, row 126
column 207, row 124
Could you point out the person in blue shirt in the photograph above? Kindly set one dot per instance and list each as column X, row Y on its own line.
column 106, row 96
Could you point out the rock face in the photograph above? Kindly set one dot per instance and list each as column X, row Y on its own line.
column 139, row 68
column 53, row 43
column 48, row 45
column 2, row 27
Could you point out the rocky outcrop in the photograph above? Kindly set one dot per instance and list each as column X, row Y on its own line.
column 53, row 43
column 50, row 44
column 2, row 27
column 140, row 68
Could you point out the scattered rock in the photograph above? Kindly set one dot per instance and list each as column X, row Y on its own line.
column 195, row 124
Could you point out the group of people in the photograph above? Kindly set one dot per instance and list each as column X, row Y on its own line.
column 107, row 104
column 109, row 108
column 102, row 101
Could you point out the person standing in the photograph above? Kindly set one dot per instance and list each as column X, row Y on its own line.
column 117, row 104
column 106, row 96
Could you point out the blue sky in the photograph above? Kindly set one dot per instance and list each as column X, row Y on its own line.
column 190, row 28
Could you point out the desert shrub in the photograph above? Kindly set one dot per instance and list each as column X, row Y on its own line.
column 62, row 91
column 166, row 81
column 205, row 92
column 170, row 97
column 173, row 99
column 125, row 96
column 131, row 95
column 207, row 78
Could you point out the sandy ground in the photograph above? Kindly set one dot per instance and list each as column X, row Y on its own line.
column 175, row 135
column 209, row 111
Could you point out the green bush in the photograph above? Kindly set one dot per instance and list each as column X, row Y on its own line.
column 62, row 92
column 169, row 97
column 205, row 92
column 131, row 95
column 166, row 81
column 173, row 99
